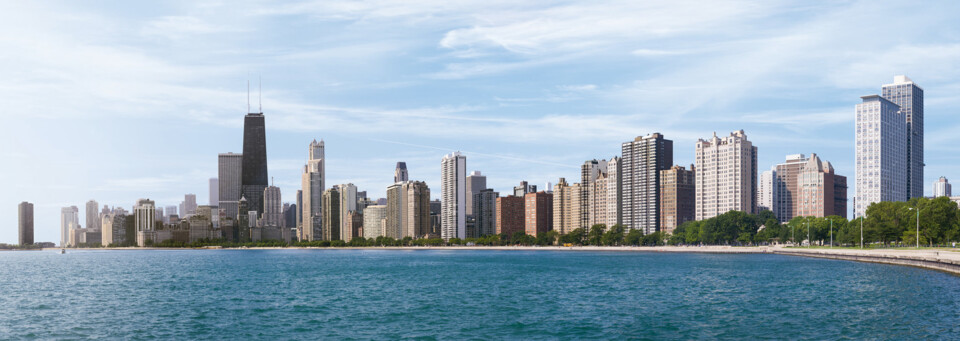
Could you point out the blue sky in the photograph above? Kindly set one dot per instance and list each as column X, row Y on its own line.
column 124, row 100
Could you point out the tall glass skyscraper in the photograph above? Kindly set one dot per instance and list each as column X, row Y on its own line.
column 254, row 173
column 909, row 97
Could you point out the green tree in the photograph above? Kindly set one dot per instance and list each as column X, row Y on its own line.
column 595, row 237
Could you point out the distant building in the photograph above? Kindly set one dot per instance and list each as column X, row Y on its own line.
column 290, row 214
column 678, row 189
column 93, row 214
column 510, row 215
column 642, row 160
column 25, row 223
column 408, row 210
column 144, row 214
column 590, row 172
column 820, row 191
column 453, row 190
column 524, row 188
column 566, row 206
column 765, row 200
column 400, row 174
column 485, row 212
column 614, row 182
column 312, row 186
column 190, row 204
column 355, row 223
column 229, row 180
column 726, row 175
column 475, row 184
column 785, row 187
column 214, row 193
column 881, row 153
column 348, row 203
column 942, row 188
column 69, row 220
column 254, row 176
column 373, row 221
column 273, row 207
column 113, row 230
column 538, row 212
column 331, row 214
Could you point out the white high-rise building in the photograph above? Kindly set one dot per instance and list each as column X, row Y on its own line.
column 726, row 175
column 641, row 163
column 909, row 97
column 144, row 213
column 312, row 186
column 229, row 177
column 881, row 150
column 93, row 215
column 374, row 218
column 272, row 207
column 942, row 188
column 765, row 192
column 69, row 220
column 453, row 188
column 614, row 196
column 214, row 198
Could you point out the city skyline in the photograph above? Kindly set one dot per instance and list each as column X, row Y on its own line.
column 509, row 133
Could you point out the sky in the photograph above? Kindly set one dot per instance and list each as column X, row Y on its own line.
column 120, row 100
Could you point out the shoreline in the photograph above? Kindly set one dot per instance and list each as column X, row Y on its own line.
column 946, row 260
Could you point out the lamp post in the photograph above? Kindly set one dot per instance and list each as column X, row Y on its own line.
column 861, row 232
column 918, row 224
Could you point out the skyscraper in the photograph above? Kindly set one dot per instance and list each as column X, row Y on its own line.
column 400, row 173
column 614, row 195
column 726, row 175
column 348, row 203
column 909, row 97
column 590, row 171
column 407, row 210
column 331, row 214
column 144, row 215
column 642, row 160
column 25, row 223
column 566, row 206
column 453, row 188
column 69, row 220
column 677, row 197
column 230, row 168
column 538, row 212
column 93, row 215
column 254, row 172
column 881, row 150
column 272, row 207
column 312, row 187
column 785, row 186
column 214, row 198
column 475, row 184
column 765, row 192
column 373, row 220
column 510, row 215
column 942, row 188
column 485, row 212
column 190, row 204
column 524, row 188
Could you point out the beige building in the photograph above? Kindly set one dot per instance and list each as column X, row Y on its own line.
column 678, row 190
column 820, row 191
column 408, row 210
column 785, row 188
column 726, row 175
column 374, row 219
column 566, row 206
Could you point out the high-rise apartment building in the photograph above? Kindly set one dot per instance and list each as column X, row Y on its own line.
column 566, row 206
column 453, row 189
column 909, row 97
column 229, row 175
column 254, row 178
column 93, row 214
column 881, row 150
column 785, row 187
column 272, row 207
column 25, row 223
column 374, row 218
column 485, row 212
column 400, row 173
column 590, row 171
column 69, row 220
column 642, row 160
column 348, row 203
column 510, row 215
column 354, row 220
column 765, row 192
column 820, row 191
column 726, row 175
column 614, row 195
column 942, row 188
column 145, row 223
column 214, row 194
column 538, row 212
column 678, row 190
column 331, row 214
column 311, row 197
column 475, row 184
column 408, row 210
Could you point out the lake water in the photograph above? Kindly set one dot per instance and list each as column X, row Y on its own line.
column 459, row 294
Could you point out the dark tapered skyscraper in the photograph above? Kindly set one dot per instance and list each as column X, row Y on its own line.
column 254, row 170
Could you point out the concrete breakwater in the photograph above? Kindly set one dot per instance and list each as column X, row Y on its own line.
column 947, row 261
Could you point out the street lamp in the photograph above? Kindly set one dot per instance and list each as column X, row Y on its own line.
column 918, row 224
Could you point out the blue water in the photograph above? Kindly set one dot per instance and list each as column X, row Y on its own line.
column 460, row 294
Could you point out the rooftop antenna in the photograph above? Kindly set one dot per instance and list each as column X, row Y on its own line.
column 248, row 96
column 260, row 94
